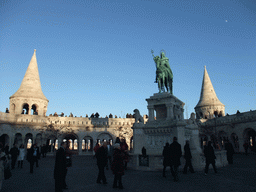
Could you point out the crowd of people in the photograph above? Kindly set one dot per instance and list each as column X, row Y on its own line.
column 114, row 157
column 172, row 154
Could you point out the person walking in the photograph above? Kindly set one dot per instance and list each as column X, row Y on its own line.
column 176, row 153
column 21, row 156
column 96, row 147
column 118, row 166
column 33, row 156
column 2, row 159
column 110, row 154
column 167, row 157
column 124, row 149
column 60, row 167
column 230, row 152
column 102, row 160
column 210, row 157
column 14, row 154
column 188, row 157
column 43, row 150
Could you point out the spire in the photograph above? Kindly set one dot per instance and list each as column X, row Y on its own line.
column 208, row 96
column 30, row 86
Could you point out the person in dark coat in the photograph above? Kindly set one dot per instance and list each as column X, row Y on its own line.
column 44, row 150
column 188, row 157
column 6, row 149
column 33, row 156
column 60, row 168
column 176, row 153
column 117, row 166
column 124, row 149
column 14, row 155
column 167, row 157
column 144, row 151
column 102, row 160
column 210, row 157
column 230, row 152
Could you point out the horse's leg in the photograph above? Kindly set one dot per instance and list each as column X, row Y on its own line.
column 159, row 84
column 163, row 83
column 166, row 83
column 170, row 85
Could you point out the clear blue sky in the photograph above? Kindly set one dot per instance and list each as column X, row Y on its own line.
column 95, row 56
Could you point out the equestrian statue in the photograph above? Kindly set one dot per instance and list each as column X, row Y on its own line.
column 164, row 74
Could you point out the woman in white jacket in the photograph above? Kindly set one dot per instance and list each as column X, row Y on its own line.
column 21, row 156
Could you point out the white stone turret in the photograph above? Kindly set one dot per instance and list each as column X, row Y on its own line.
column 209, row 105
column 29, row 95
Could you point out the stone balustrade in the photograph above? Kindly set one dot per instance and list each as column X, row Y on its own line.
column 74, row 121
column 226, row 120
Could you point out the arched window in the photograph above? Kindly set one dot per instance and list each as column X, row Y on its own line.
column 83, row 145
column 70, row 144
column 29, row 144
column 75, row 144
column 25, row 108
column 56, row 144
column 34, row 110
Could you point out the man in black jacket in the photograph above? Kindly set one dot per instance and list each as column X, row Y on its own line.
column 102, row 160
column 210, row 157
column 14, row 153
column 230, row 152
column 60, row 168
column 176, row 153
column 33, row 156
column 188, row 157
column 166, row 155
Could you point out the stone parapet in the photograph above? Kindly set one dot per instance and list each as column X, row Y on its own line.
column 229, row 120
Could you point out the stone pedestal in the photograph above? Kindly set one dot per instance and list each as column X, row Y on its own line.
column 167, row 123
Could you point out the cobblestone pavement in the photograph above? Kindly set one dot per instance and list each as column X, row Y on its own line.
column 241, row 176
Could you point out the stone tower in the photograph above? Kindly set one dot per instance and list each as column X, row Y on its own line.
column 29, row 99
column 209, row 106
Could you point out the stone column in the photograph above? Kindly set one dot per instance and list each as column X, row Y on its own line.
column 170, row 114
column 241, row 143
column 182, row 115
column 23, row 137
column 150, row 113
column 79, row 147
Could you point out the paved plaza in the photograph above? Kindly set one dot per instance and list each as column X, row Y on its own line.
column 241, row 176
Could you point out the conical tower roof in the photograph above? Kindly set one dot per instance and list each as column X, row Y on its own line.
column 30, row 86
column 208, row 96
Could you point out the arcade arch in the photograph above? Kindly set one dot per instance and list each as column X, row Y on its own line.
column 249, row 137
column 28, row 140
column 104, row 137
column 87, row 144
column 235, row 141
column 34, row 110
column 203, row 139
column 25, row 108
column 51, row 143
column 18, row 139
column 73, row 141
column 222, row 138
column 38, row 140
